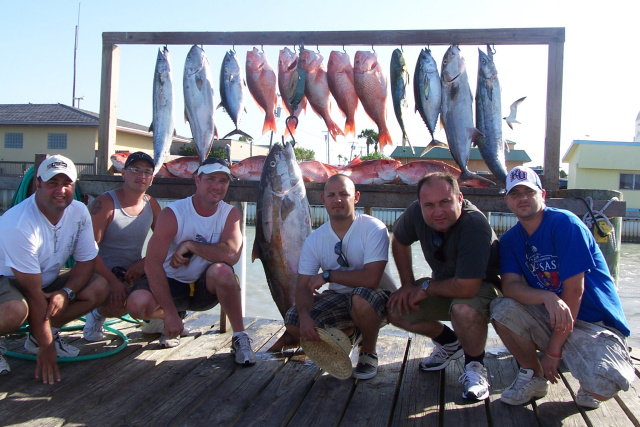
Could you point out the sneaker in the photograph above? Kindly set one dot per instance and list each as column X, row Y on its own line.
column 525, row 388
column 474, row 380
column 62, row 348
column 4, row 365
column 241, row 345
column 355, row 338
column 367, row 366
column 585, row 400
column 153, row 326
column 92, row 330
column 169, row 342
column 441, row 356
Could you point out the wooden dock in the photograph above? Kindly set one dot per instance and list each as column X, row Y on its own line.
column 198, row 384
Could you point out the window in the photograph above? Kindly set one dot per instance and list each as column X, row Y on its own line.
column 13, row 140
column 57, row 141
column 629, row 181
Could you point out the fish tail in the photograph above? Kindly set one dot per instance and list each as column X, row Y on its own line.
column 237, row 132
column 466, row 175
column 333, row 129
column 269, row 124
column 350, row 127
column 384, row 138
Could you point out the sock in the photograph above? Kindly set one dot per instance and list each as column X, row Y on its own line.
column 468, row 359
column 447, row 336
column 97, row 314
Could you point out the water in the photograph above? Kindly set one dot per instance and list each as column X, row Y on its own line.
column 260, row 304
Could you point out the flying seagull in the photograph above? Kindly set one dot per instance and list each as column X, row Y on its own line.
column 511, row 118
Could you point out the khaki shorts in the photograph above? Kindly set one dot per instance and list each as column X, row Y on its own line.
column 596, row 355
column 436, row 308
column 9, row 290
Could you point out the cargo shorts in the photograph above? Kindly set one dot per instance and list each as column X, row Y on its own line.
column 333, row 309
column 596, row 355
column 9, row 290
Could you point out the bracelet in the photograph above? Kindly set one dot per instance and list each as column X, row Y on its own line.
column 554, row 356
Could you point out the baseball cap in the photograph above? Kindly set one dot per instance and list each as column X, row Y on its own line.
column 56, row 164
column 138, row 155
column 521, row 175
column 213, row 164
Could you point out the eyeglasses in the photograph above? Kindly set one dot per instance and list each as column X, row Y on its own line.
column 436, row 241
column 138, row 171
column 342, row 260
column 212, row 160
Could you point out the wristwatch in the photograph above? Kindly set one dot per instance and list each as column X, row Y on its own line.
column 325, row 276
column 425, row 286
column 70, row 294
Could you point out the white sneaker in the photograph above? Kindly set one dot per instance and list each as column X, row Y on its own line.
column 241, row 345
column 92, row 330
column 441, row 356
column 63, row 349
column 169, row 342
column 585, row 400
column 474, row 380
column 153, row 326
column 524, row 388
column 4, row 365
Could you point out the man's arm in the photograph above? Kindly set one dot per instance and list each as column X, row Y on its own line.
column 368, row 277
column 401, row 298
column 227, row 250
column 39, row 313
column 304, row 305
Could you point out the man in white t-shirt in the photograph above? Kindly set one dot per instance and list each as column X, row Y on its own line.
column 189, row 261
column 37, row 237
column 350, row 253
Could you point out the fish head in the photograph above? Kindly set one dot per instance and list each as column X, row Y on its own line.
column 397, row 60
column 486, row 67
column 365, row 61
column 310, row 61
column 163, row 65
column 453, row 64
column 119, row 159
column 338, row 62
column 230, row 65
column 287, row 60
column 281, row 169
column 255, row 60
column 430, row 65
column 195, row 61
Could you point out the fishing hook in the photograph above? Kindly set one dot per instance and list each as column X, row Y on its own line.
column 233, row 47
column 374, row 51
column 492, row 49
column 343, row 49
column 317, row 48
column 401, row 48
column 286, row 122
column 262, row 47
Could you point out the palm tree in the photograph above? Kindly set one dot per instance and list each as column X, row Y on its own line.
column 371, row 137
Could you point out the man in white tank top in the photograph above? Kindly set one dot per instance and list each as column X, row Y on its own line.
column 189, row 260
column 121, row 222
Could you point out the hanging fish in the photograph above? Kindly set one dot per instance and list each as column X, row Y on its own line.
column 371, row 87
column 162, row 125
column 197, row 83
column 488, row 120
column 232, row 87
column 399, row 77
column 287, row 63
column 261, row 80
column 340, row 78
column 427, row 91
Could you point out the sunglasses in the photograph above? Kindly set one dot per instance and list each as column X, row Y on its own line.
column 342, row 260
column 437, row 242
column 213, row 160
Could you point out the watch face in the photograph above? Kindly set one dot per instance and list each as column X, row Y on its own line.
column 326, row 275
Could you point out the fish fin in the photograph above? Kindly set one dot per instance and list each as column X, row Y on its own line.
column 350, row 127
column 174, row 132
column 466, row 175
column 237, row 132
column 333, row 129
column 384, row 138
column 186, row 118
column 151, row 127
column 476, row 135
column 506, row 146
column 269, row 125
column 255, row 253
column 433, row 144
column 199, row 82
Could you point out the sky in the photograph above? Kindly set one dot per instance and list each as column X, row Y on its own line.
column 601, row 88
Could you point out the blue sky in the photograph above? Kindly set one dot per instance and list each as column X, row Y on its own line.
column 601, row 89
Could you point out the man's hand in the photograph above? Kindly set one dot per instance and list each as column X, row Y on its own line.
column 559, row 313
column 117, row 295
column 405, row 298
column 57, row 301
column 315, row 283
column 308, row 328
column 173, row 325
column 134, row 272
column 47, row 364
column 182, row 255
column 550, row 368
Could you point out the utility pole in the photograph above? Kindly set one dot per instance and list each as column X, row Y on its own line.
column 75, row 51
column 326, row 139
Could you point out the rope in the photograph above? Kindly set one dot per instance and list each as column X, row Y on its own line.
column 591, row 218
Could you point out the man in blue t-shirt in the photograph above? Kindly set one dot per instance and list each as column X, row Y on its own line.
column 559, row 299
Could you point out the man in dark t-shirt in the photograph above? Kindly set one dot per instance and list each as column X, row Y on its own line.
column 462, row 251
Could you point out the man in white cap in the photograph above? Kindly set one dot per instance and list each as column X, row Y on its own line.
column 189, row 261
column 37, row 236
column 559, row 299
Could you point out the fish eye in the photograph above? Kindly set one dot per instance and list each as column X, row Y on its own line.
column 272, row 164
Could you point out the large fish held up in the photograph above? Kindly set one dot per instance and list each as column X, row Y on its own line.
column 399, row 76
column 162, row 125
column 287, row 63
column 488, row 116
column 197, row 85
column 340, row 78
column 261, row 80
column 283, row 222
column 316, row 89
column 232, row 86
column 457, row 110
column 371, row 87
column 427, row 91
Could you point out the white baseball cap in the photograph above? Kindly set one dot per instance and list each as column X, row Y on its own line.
column 521, row 175
column 56, row 164
column 212, row 165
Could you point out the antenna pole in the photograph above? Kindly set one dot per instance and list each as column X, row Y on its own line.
column 75, row 52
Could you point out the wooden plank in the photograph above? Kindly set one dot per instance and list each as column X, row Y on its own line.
column 503, row 369
column 418, row 402
column 338, row 38
column 459, row 411
column 558, row 407
column 373, row 400
column 551, row 177
column 629, row 401
column 108, row 119
column 608, row 414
